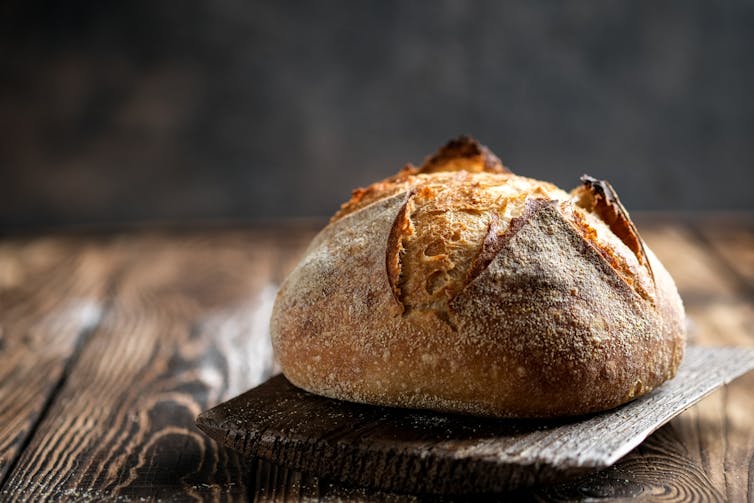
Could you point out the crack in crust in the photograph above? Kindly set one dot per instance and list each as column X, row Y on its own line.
column 599, row 197
column 402, row 227
column 497, row 237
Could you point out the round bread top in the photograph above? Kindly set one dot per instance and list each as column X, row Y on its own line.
column 463, row 197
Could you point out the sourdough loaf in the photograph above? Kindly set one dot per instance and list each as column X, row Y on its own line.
column 458, row 286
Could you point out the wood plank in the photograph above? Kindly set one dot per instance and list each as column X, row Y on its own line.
column 733, row 242
column 275, row 483
column 719, row 313
column 424, row 452
column 731, row 436
column 710, row 445
column 705, row 453
column 52, row 294
column 186, row 329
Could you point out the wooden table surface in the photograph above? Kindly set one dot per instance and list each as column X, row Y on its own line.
column 111, row 344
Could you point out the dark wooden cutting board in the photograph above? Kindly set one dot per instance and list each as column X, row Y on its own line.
column 423, row 452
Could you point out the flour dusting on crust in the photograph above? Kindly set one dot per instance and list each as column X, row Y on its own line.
column 458, row 286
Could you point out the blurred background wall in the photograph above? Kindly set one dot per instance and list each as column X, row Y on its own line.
column 131, row 111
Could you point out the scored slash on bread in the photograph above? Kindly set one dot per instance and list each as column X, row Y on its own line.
column 459, row 286
column 598, row 196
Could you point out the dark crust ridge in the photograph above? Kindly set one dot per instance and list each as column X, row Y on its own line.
column 602, row 199
column 463, row 148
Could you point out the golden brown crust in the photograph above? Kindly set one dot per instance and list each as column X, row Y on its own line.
column 478, row 292
column 582, row 340
column 599, row 197
column 363, row 197
column 463, row 153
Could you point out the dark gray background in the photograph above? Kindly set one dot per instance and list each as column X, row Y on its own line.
column 132, row 111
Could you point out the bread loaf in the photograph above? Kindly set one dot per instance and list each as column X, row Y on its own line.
column 461, row 287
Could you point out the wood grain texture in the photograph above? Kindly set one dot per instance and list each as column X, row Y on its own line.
column 186, row 328
column 705, row 453
column 40, row 332
column 717, row 306
column 722, row 425
column 167, row 333
column 420, row 452
column 732, row 239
